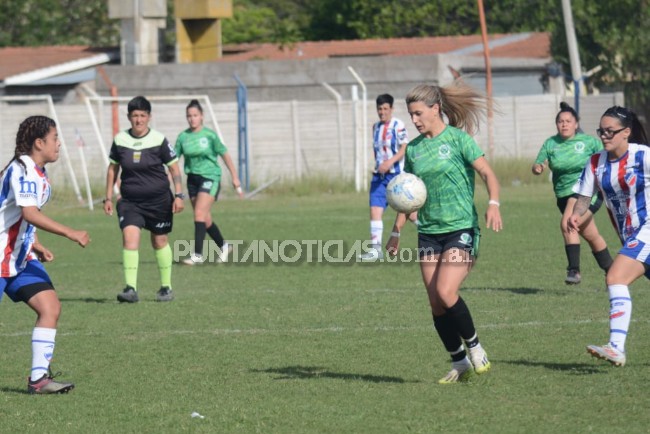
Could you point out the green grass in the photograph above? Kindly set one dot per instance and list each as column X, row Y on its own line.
column 313, row 348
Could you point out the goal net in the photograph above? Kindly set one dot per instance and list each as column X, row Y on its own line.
column 106, row 115
column 63, row 174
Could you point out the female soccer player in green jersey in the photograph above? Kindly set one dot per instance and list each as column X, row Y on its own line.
column 445, row 157
column 566, row 153
column 201, row 147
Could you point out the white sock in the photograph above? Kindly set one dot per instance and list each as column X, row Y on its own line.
column 462, row 365
column 620, row 313
column 376, row 230
column 42, row 351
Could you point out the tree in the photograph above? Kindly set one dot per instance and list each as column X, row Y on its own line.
column 57, row 22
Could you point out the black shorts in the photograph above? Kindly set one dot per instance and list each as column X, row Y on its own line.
column 435, row 244
column 199, row 184
column 155, row 215
column 596, row 202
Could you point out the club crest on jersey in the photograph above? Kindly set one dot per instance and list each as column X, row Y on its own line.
column 579, row 147
column 630, row 178
column 137, row 155
column 401, row 134
column 444, row 151
column 632, row 243
column 203, row 142
column 465, row 238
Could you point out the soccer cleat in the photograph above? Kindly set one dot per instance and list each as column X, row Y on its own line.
column 608, row 352
column 479, row 359
column 460, row 372
column 46, row 385
column 372, row 255
column 129, row 295
column 225, row 252
column 194, row 259
column 572, row 277
column 164, row 294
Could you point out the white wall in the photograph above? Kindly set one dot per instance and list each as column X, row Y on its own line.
column 522, row 125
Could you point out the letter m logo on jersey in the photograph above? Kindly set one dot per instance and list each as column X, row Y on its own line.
column 27, row 187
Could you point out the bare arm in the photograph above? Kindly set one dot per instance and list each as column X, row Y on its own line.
column 579, row 209
column 538, row 168
column 236, row 183
column 393, row 242
column 42, row 252
column 582, row 205
column 492, row 215
column 177, row 180
column 111, row 178
column 34, row 216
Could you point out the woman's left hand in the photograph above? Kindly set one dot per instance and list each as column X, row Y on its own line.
column 493, row 218
column 178, row 206
column 238, row 189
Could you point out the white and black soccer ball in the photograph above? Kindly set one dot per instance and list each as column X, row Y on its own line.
column 406, row 193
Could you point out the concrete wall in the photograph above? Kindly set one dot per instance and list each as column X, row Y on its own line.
column 301, row 80
column 293, row 138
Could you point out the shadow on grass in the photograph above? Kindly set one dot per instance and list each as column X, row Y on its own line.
column 13, row 390
column 85, row 300
column 521, row 290
column 309, row 372
column 571, row 368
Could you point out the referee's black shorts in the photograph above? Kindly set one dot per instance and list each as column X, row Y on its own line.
column 153, row 214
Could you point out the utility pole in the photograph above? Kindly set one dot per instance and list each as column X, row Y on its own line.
column 488, row 79
column 574, row 57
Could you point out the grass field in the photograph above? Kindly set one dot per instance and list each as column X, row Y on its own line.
column 317, row 347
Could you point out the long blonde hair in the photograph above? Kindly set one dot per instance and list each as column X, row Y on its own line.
column 461, row 103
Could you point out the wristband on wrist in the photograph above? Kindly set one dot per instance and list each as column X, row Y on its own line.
column 108, row 199
column 394, row 234
column 494, row 202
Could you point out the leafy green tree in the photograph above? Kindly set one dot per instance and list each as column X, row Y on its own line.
column 265, row 21
column 57, row 22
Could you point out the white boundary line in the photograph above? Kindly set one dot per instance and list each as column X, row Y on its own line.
column 333, row 329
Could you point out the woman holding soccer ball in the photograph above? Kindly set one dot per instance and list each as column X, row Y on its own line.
column 622, row 173
column 445, row 157
column 566, row 154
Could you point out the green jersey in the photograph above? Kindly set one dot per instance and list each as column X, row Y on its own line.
column 567, row 158
column 201, row 150
column 444, row 163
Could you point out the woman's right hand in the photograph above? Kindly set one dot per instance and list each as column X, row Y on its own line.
column 538, row 169
column 392, row 246
column 108, row 207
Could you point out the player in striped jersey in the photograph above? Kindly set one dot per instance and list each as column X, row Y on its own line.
column 622, row 173
column 25, row 189
column 389, row 139
column 566, row 154
column 446, row 158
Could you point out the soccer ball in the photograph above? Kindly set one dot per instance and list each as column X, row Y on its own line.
column 406, row 193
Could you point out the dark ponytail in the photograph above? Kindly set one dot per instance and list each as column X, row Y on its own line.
column 195, row 103
column 629, row 119
column 32, row 128
column 566, row 108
